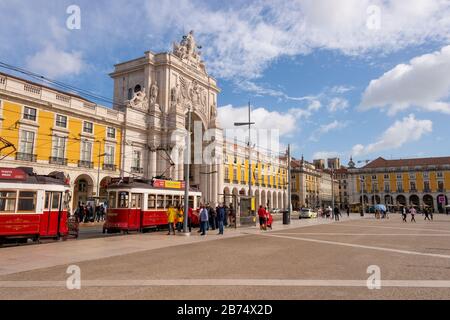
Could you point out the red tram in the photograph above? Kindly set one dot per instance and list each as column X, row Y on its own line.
column 32, row 206
column 136, row 204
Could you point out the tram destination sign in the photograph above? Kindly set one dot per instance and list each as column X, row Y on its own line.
column 168, row 184
column 12, row 174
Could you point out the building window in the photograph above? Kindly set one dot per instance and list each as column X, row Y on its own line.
column 412, row 176
column 109, row 154
column 412, row 186
column 227, row 173
column 386, row 187
column 136, row 160
column 8, row 201
column 86, row 151
column 242, row 174
column 426, row 186
column 130, row 94
column 399, row 177
column 374, row 177
column 27, row 142
column 29, row 113
column 61, row 121
column 425, row 175
column 441, row 186
column 59, row 147
column 88, row 127
column 111, row 132
column 399, row 186
column 439, row 174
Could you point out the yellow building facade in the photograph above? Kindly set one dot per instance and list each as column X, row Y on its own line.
column 404, row 182
column 54, row 131
column 268, row 180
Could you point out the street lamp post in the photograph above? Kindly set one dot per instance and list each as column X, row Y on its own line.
column 249, row 124
column 362, row 196
column 187, row 162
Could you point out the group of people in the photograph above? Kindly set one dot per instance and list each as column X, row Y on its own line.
column 209, row 218
column 427, row 212
column 87, row 213
column 265, row 218
column 328, row 213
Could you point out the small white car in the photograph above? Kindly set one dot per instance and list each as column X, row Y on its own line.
column 307, row 213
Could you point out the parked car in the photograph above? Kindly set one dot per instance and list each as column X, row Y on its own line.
column 307, row 213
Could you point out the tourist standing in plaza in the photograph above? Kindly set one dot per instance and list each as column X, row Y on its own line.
column 404, row 213
column 336, row 213
column 220, row 217
column 427, row 214
column 413, row 212
column 262, row 218
column 348, row 211
column 171, row 216
column 269, row 220
column 203, row 220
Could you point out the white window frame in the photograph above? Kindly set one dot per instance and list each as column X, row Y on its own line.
column 56, row 121
column 81, row 150
column 23, row 114
column 134, row 163
column 21, row 133
column 109, row 159
column 107, row 133
column 55, row 139
column 83, row 129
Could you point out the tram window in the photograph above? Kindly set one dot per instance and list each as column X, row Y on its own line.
column 151, row 204
column 198, row 200
column 176, row 201
column 160, row 201
column 27, row 201
column 55, row 200
column 123, row 199
column 7, row 201
column 47, row 200
column 168, row 201
column 136, row 199
column 112, row 200
column 191, row 202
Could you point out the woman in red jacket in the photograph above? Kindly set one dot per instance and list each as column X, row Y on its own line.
column 269, row 220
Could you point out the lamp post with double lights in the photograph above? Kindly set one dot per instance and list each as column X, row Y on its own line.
column 249, row 124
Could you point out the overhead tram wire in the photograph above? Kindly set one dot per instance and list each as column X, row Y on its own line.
column 90, row 94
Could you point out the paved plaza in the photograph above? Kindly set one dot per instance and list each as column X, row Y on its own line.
column 310, row 259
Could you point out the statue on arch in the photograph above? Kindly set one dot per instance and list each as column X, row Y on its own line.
column 154, row 90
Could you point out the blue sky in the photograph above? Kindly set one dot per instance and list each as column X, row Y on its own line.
column 350, row 77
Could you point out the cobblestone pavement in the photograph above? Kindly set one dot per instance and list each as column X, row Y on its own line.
column 310, row 259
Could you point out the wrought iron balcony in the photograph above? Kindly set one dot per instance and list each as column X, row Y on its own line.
column 57, row 160
column 413, row 190
column 227, row 180
column 137, row 170
column 25, row 157
column 85, row 164
column 441, row 190
column 109, row 167
column 426, row 190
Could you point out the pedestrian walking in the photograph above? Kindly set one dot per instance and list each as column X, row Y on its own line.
column 180, row 218
column 404, row 214
column 336, row 213
column 269, row 220
column 220, row 218
column 427, row 214
column 348, row 211
column 262, row 218
column 413, row 212
column 171, row 216
column 203, row 220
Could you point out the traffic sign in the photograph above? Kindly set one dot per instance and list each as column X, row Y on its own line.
column 441, row 199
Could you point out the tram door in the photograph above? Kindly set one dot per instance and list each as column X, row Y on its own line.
column 53, row 211
column 134, row 219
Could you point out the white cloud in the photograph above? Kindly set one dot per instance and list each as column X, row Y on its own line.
column 337, row 104
column 325, row 128
column 400, row 133
column 341, row 89
column 424, row 83
column 55, row 63
column 326, row 155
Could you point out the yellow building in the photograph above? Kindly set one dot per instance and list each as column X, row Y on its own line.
column 268, row 180
column 403, row 182
column 51, row 130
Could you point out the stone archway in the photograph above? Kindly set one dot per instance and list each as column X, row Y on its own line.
column 441, row 205
column 103, row 194
column 83, row 189
column 366, row 199
column 401, row 200
column 280, row 201
column 376, row 199
column 414, row 200
column 295, row 201
column 388, row 200
column 263, row 198
column 428, row 201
